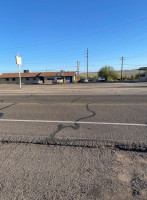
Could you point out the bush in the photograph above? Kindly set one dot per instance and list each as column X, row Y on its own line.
column 108, row 73
column 141, row 74
column 95, row 77
column 82, row 76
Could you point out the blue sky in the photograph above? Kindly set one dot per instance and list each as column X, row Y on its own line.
column 54, row 35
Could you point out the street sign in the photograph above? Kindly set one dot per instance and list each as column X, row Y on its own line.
column 18, row 60
column 59, row 74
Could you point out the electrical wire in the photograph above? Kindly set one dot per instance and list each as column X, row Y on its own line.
column 78, row 36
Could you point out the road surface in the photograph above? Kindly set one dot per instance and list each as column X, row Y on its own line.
column 73, row 147
column 75, row 120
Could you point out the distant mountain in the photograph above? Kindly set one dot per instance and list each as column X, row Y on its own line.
column 129, row 72
column 132, row 72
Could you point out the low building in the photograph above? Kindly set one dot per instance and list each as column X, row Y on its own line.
column 38, row 77
column 68, row 77
column 142, row 76
column 13, row 78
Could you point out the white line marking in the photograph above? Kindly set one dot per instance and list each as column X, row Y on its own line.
column 72, row 122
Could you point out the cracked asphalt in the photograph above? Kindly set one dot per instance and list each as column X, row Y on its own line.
column 48, row 158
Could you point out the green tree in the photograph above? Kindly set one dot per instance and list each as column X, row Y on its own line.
column 82, row 76
column 95, row 77
column 108, row 73
column 141, row 74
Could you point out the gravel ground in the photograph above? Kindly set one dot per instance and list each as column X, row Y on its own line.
column 40, row 172
column 75, row 89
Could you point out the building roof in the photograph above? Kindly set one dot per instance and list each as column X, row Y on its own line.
column 48, row 74
column 16, row 75
column 59, row 74
column 142, row 68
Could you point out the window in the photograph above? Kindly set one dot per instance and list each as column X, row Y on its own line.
column 59, row 78
column 27, row 79
column 7, row 79
column 34, row 78
column 50, row 78
column 13, row 79
column 67, row 78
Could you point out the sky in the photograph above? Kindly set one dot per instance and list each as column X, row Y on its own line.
column 54, row 35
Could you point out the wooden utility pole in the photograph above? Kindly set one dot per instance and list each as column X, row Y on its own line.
column 87, row 63
column 122, row 59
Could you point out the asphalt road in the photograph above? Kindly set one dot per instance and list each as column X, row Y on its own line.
column 75, row 120
column 73, row 147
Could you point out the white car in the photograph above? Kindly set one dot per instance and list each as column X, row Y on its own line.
column 83, row 80
column 101, row 79
column 57, row 80
column 38, row 82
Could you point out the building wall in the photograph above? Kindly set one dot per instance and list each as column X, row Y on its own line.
column 16, row 81
column 4, row 81
column 143, row 78
column 48, row 80
column 67, row 79
column 73, row 79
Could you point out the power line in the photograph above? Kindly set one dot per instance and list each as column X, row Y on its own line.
column 109, row 48
column 113, row 49
column 78, row 36
column 121, row 41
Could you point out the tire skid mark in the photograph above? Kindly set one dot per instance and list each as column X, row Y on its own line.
column 1, row 114
column 76, row 126
column 7, row 106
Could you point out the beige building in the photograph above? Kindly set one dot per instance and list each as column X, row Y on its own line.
column 13, row 78
column 47, row 77
column 38, row 77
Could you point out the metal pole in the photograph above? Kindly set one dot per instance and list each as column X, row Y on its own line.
column 87, row 63
column 78, row 70
column 19, row 76
column 78, row 63
column 122, row 58
column 122, row 69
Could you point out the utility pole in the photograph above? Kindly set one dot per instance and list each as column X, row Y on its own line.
column 87, row 63
column 122, row 59
column 78, row 66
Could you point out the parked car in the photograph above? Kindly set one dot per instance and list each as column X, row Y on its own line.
column 83, row 80
column 101, row 79
column 57, row 80
column 91, row 79
column 38, row 82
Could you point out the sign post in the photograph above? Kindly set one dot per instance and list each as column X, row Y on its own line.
column 19, row 63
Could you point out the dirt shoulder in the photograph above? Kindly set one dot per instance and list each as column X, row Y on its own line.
column 78, row 89
column 54, row 172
